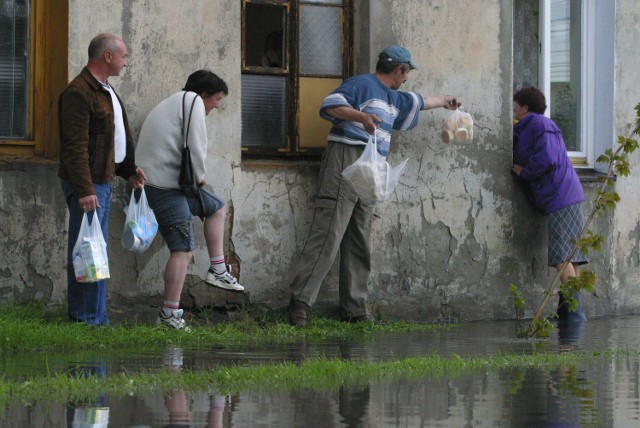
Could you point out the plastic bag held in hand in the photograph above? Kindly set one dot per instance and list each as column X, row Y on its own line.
column 372, row 177
column 458, row 127
column 140, row 226
column 89, row 254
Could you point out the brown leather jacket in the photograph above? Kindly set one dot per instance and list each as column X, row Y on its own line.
column 86, row 136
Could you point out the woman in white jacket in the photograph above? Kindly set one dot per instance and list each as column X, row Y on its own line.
column 159, row 153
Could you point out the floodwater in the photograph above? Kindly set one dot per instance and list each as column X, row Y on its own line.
column 599, row 392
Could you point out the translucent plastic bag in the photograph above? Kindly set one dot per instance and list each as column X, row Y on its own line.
column 371, row 176
column 458, row 128
column 89, row 255
column 140, row 226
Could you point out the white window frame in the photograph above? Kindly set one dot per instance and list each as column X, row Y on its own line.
column 597, row 88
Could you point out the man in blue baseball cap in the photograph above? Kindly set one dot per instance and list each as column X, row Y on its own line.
column 361, row 106
column 397, row 54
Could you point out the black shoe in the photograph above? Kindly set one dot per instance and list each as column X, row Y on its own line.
column 298, row 312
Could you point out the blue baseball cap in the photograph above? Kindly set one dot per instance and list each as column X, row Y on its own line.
column 397, row 54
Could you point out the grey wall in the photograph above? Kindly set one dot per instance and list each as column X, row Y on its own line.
column 456, row 232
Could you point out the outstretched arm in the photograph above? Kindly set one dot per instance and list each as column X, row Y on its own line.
column 446, row 101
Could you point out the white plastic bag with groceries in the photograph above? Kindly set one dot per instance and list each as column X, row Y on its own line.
column 89, row 255
column 371, row 175
column 457, row 128
column 140, row 226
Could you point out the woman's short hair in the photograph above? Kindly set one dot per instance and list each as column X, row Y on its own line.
column 531, row 97
column 205, row 81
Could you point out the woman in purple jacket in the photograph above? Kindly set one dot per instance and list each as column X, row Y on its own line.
column 540, row 159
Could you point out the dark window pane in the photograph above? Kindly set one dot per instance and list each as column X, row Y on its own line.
column 14, row 68
column 264, row 42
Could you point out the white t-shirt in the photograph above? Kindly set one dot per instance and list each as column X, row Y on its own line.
column 119, row 137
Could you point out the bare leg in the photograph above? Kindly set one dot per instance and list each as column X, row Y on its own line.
column 214, row 232
column 174, row 275
column 569, row 271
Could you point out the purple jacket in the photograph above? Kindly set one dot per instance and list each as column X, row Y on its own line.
column 539, row 148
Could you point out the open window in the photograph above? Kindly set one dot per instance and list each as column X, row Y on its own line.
column 566, row 48
column 294, row 53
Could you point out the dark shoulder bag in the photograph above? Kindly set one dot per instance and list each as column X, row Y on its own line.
column 187, row 179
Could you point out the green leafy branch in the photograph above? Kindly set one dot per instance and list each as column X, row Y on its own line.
column 588, row 241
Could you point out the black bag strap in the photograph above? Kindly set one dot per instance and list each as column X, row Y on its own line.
column 185, row 135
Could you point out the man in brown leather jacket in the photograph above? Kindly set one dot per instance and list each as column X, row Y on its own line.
column 95, row 146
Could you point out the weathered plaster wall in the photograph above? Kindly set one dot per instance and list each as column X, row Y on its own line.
column 623, row 291
column 457, row 231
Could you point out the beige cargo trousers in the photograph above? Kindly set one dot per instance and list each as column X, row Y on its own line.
column 342, row 222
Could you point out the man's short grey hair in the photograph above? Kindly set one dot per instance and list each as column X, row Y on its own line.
column 102, row 42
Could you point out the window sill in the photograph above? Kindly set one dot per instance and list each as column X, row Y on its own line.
column 257, row 164
column 587, row 174
column 7, row 160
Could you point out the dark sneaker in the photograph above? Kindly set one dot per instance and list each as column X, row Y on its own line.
column 298, row 313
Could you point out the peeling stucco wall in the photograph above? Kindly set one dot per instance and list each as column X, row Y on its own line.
column 457, row 231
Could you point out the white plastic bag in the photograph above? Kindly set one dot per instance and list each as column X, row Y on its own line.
column 140, row 226
column 89, row 255
column 371, row 176
column 458, row 127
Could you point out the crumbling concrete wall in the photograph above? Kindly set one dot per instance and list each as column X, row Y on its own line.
column 457, row 231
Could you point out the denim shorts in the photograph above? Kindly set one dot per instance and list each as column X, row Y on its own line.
column 174, row 213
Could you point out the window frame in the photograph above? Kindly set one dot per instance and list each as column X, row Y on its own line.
column 596, row 130
column 47, row 77
column 292, row 149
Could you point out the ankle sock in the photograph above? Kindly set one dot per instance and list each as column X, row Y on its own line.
column 168, row 306
column 218, row 265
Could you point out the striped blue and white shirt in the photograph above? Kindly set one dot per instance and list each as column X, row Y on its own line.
column 398, row 110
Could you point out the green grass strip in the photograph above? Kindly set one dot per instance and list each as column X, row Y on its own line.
column 32, row 328
column 318, row 374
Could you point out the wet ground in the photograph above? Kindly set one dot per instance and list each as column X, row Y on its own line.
column 601, row 392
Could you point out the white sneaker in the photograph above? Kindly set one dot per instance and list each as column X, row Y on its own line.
column 173, row 320
column 226, row 281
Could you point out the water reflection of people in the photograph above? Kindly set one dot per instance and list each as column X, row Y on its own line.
column 176, row 401
column 353, row 404
column 91, row 414
column 272, row 56
column 179, row 405
column 567, row 385
column 217, row 404
column 570, row 335
column 353, row 400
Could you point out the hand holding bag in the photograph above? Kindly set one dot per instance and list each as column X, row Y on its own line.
column 187, row 179
column 140, row 226
column 89, row 254
column 372, row 177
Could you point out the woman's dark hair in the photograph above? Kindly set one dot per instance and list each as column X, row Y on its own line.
column 205, row 81
column 531, row 97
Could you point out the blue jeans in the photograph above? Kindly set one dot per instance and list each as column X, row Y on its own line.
column 86, row 302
